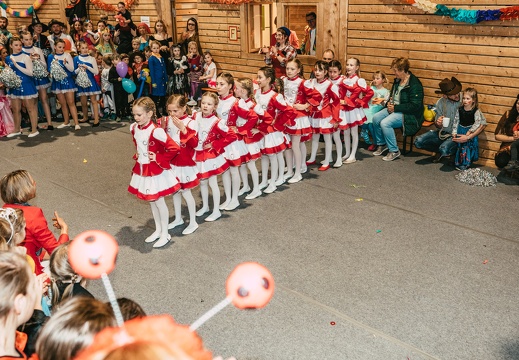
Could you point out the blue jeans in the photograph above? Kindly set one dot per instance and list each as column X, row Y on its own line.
column 384, row 124
column 431, row 142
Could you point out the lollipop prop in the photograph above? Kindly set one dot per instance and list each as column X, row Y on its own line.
column 249, row 286
column 92, row 255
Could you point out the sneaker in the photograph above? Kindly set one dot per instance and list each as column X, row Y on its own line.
column 113, row 116
column 372, row 147
column 391, row 156
column 77, row 127
column 380, row 150
column 63, row 126
column 191, row 103
column 513, row 165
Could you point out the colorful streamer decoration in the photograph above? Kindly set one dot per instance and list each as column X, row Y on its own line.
column 466, row 16
column 231, row 2
column 101, row 5
column 21, row 14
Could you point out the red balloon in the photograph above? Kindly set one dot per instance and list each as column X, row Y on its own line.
column 93, row 253
column 250, row 286
column 68, row 45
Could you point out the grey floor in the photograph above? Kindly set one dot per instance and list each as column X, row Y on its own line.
column 374, row 260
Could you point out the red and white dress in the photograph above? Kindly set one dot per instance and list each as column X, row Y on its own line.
column 243, row 117
column 152, row 180
column 301, row 91
column 324, row 116
column 276, row 115
column 212, row 131
column 236, row 152
column 255, row 142
column 356, row 96
column 184, row 164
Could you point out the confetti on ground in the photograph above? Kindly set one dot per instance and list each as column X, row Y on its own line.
column 359, row 199
column 485, row 262
column 332, row 323
column 477, row 177
column 379, row 231
column 357, row 186
column 85, row 161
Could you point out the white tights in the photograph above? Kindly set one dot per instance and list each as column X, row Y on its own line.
column 160, row 212
column 190, row 202
column 204, row 191
column 231, row 185
column 253, row 173
column 295, row 158
column 350, row 153
column 327, row 148
column 277, row 167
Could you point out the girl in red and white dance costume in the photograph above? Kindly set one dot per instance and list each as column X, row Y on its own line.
column 213, row 137
column 182, row 128
column 277, row 114
column 236, row 153
column 358, row 94
column 153, row 178
column 301, row 94
column 243, row 120
column 325, row 117
column 335, row 76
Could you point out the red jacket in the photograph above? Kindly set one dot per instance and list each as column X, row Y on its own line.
column 37, row 234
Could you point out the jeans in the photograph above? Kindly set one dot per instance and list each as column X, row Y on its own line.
column 430, row 141
column 384, row 124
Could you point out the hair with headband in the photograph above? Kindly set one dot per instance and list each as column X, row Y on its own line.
column 9, row 215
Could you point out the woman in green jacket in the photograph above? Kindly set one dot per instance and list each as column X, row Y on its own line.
column 403, row 110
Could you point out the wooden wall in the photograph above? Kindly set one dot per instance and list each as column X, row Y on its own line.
column 482, row 56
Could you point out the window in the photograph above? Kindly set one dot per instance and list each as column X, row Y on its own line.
column 261, row 26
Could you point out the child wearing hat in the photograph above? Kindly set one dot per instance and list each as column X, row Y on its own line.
column 439, row 140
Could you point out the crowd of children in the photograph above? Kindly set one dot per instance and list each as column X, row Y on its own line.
column 82, row 67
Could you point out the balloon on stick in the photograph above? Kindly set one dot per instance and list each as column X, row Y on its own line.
column 92, row 255
column 249, row 286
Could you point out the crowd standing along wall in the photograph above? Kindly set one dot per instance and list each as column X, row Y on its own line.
column 376, row 31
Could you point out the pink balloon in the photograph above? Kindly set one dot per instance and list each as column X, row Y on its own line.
column 250, row 286
column 122, row 69
column 93, row 253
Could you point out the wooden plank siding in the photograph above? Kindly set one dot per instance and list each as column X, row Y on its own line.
column 376, row 31
column 480, row 56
